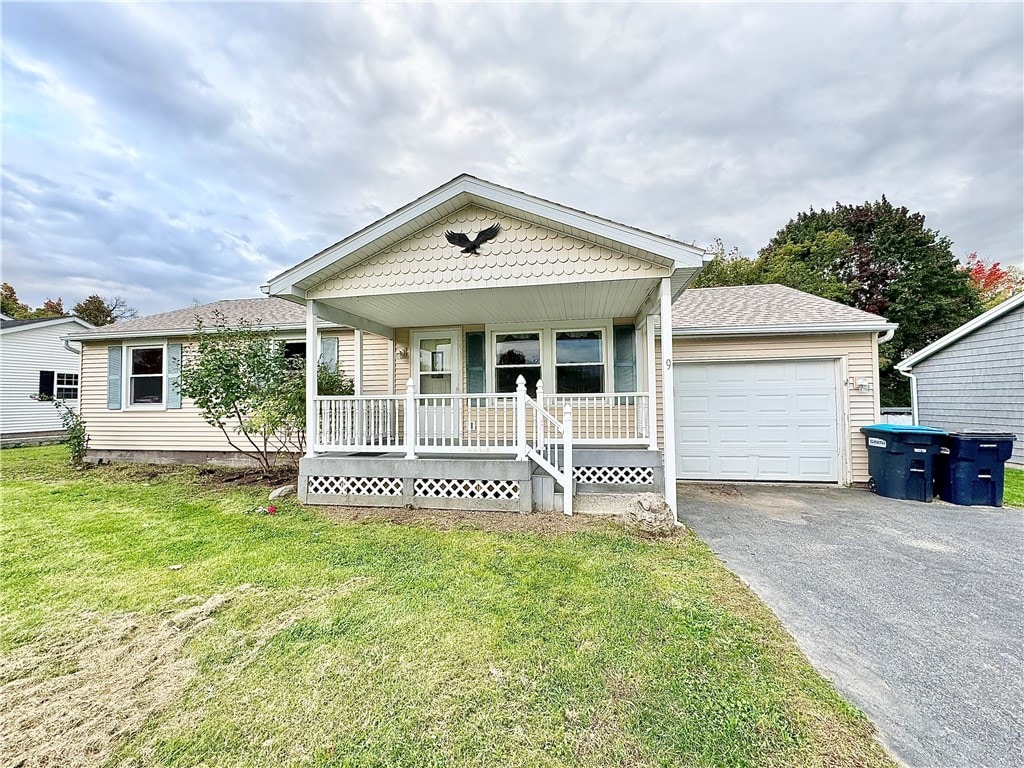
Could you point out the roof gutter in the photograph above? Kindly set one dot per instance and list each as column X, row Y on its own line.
column 765, row 330
column 167, row 332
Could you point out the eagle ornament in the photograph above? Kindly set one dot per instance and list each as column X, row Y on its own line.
column 461, row 239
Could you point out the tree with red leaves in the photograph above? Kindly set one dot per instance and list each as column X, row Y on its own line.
column 994, row 283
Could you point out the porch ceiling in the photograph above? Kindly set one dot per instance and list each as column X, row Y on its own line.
column 596, row 300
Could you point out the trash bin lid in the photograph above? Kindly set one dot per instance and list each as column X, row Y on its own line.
column 903, row 429
column 983, row 436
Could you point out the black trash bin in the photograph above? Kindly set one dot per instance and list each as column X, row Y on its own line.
column 969, row 468
column 901, row 460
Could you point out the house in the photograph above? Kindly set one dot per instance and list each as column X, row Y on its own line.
column 972, row 379
column 498, row 375
column 34, row 362
column 131, row 408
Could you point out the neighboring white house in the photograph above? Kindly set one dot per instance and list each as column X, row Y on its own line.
column 972, row 379
column 35, row 361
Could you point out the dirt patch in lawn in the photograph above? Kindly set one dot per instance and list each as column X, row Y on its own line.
column 445, row 519
column 69, row 701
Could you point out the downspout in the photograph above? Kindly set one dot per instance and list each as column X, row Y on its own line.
column 69, row 348
column 913, row 394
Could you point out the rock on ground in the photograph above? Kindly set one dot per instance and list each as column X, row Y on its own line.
column 282, row 492
column 649, row 513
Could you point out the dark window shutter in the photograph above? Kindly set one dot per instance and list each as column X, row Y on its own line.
column 476, row 361
column 46, row 384
column 329, row 352
column 625, row 358
column 173, row 375
column 114, row 378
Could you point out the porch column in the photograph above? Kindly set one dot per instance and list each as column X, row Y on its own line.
column 357, row 374
column 312, row 358
column 668, row 404
column 651, row 382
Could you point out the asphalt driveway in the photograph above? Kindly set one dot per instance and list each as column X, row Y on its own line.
column 914, row 611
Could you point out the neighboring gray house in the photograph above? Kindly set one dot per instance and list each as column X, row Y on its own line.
column 973, row 378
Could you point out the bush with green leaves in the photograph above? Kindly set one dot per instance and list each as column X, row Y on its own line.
column 75, row 437
column 243, row 383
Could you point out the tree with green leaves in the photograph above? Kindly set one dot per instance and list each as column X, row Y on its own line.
column 10, row 305
column 877, row 257
column 243, row 383
column 98, row 311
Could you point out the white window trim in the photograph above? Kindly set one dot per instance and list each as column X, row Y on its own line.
column 76, row 386
column 547, row 348
column 126, row 377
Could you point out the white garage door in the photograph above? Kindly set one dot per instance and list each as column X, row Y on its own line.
column 757, row 420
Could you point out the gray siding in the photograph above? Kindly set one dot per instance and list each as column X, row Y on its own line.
column 978, row 382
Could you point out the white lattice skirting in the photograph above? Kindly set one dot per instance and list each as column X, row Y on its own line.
column 444, row 488
column 614, row 475
column 355, row 486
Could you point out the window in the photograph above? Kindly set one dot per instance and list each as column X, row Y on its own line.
column 67, row 386
column 579, row 362
column 568, row 361
column 146, row 375
column 517, row 354
column 295, row 352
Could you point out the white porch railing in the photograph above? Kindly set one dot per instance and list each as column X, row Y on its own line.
column 360, row 423
column 480, row 423
column 477, row 422
column 621, row 418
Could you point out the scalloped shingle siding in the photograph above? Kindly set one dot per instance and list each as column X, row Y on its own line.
column 520, row 254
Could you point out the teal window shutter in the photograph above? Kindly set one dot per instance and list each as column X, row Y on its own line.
column 329, row 352
column 625, row 358
column 173, row 375
column 114, row 378
column 476, row 362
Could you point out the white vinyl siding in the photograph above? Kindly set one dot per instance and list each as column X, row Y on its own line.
column 23, row 355
column 152, row 428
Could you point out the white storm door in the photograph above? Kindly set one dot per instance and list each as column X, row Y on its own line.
column 438, row 373
column 757, row 420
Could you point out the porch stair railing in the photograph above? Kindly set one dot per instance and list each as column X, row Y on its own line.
column 550, row 445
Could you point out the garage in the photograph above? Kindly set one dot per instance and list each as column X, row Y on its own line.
column 772, row 384
column 758, row 420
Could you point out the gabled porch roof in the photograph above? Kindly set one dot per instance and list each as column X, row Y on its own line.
column 549, row 262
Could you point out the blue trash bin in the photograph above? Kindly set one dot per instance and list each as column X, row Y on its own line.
column 901, row 460
column 969, row 468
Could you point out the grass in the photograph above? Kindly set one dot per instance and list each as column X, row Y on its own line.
column 375, row 644
column 1013, row 488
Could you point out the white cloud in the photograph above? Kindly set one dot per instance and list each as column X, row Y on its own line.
column 184, row 151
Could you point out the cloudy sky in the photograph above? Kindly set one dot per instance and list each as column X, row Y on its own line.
column 171, row 153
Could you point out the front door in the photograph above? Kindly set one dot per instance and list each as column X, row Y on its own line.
column 437, row 370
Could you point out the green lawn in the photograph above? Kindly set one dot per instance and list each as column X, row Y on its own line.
column 1013, row 488
column 376, row 644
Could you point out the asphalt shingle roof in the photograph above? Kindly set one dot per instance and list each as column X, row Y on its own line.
column 261, row 312
column 4, row 324
column 749, row 306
